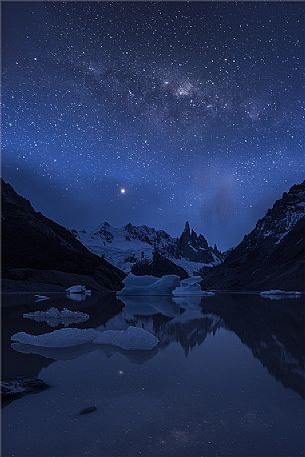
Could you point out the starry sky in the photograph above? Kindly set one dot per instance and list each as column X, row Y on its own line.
column 154, row 113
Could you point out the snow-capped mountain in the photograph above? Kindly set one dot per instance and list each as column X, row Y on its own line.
column 272, row 255
column 128, row 245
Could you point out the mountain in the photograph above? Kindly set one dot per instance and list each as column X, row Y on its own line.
column 37, row 252
column 128, row 245
column 158, row 266
column 272, row 256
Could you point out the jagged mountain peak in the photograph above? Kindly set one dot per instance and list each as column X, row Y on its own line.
column 128, row 244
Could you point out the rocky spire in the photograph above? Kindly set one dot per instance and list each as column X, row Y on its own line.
column 187, row 229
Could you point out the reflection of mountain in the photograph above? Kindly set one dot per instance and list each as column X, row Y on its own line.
column 191, row 328
column 274, row 331
column 178, row 320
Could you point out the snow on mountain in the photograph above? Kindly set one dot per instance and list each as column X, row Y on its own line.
column 284, row 215
column 127, row 245
column 271, row 256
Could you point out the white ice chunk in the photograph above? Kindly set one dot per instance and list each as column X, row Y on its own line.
column 77, row 297
column 54, row 316
column 145, row 280
column 191, row 281
column 188, row 301
column 63, row 337
column 133, row 338
column 293, row 293
column 39, row 298
column 191, row 286
column 78, row 289
column 149, row 285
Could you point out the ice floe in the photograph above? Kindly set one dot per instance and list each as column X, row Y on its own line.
column 54, row 316
column 39, row 298
column 278, row 294
column 149, row 285
column 133, row 338
column 191, row 286
column 78, row 289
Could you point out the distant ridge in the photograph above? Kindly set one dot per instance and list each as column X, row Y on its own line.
column 127, row 245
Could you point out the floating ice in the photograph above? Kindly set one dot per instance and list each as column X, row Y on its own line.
column 187, row 301
column 39, row 298
column 78, row 289
column 65, row 337
column 133, row 338
column 54, row 316
column 149, row 285
column 278, row 292
column 191, row 286
column 77, row 297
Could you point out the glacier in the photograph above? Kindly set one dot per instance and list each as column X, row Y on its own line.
column 127, row 245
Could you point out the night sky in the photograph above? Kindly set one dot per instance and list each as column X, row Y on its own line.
column 154, row 113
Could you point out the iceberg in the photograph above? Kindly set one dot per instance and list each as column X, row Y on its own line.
column 191, row 286
column 78, row 289
column 54, row 316
column 133, row 338
column 64, row 337
column 39, row 298
column 149, row 285
column 278, row 292
column 188, row 301
column 77, row 297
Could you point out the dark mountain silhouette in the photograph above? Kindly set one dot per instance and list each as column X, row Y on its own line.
column 37, row 252
column 272, row 256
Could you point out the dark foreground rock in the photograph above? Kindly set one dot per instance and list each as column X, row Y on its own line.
column 37, row 250
column 15, row 388
column 272, row 256
column 90, row 409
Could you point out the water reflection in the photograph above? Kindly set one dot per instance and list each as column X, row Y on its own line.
column 201, row 392
column 274, row 331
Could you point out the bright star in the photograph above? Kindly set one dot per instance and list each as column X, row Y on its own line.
column 123, row 190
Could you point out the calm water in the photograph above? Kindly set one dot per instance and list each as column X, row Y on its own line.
column 226, row 380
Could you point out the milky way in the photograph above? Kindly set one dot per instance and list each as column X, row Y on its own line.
column 154, row 113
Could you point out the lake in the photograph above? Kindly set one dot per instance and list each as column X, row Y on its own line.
column 227, row 379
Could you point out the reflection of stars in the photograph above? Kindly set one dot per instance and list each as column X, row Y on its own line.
column 123, row 190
